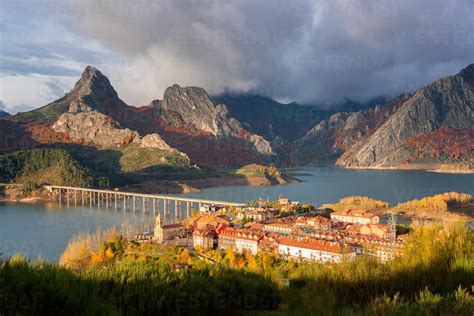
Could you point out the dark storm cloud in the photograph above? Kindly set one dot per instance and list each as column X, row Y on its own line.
column 310, row 51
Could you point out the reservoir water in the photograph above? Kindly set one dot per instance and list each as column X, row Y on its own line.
column 44, row 230
column 328, row 184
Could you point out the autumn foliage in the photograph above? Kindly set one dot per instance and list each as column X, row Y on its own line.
column 439, row 202
column 457, row 143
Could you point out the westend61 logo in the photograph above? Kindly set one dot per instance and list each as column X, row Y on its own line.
column 25, row 302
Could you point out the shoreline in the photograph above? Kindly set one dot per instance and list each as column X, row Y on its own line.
column 12, row 194
column 197, row 185
column 438, row 168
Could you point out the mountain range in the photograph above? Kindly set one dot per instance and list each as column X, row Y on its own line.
column 429, row 127
column 3, row 113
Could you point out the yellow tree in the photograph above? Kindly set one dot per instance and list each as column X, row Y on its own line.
column 184, row 256
column 251, row 262
column 230, row 256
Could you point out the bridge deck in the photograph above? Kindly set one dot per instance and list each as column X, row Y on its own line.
column 143, row 195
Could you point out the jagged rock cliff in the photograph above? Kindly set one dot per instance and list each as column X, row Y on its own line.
column 446, row 103
column 330, row 138
column 102, row 131
column 193, row 109
column 186, row 119
column 386, row 135
column 93, row 91
column 95, row 128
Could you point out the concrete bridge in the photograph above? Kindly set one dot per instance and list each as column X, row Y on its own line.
column 171, row 207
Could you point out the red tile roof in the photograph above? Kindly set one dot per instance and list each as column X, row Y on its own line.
column 240, row 233
column 354, row 213
column 204, row 233
column 315, row 244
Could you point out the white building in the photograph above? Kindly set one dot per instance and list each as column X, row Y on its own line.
column 313, row 249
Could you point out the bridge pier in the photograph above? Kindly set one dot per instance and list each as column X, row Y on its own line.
column 128, row 200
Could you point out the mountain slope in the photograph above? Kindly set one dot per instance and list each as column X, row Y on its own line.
column 186, row 120
column 446, row 103
column 330, row 138
column 388, row 136
column 269, row 118
column 92, row 91
column 191, row 108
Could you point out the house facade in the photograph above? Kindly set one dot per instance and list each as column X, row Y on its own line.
column 360, row 217
column 313, row 249
column 381, row 231
column 203, row 239
column 168, row 232
column 241, row 240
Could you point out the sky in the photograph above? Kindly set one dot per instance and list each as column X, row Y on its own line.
column 309, row 51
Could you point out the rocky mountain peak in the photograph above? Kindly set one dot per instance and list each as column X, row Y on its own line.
column 92, row 81
column 197, row 112
column 196, row 109
column 180, row 99
column 468, row 74
column 93, row 91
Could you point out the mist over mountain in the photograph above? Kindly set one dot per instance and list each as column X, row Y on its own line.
column 432, row 125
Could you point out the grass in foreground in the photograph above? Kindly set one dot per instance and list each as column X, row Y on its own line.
column 435, row 276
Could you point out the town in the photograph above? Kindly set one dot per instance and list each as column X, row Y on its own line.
column 287, row 229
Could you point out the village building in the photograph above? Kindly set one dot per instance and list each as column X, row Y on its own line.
column 254, row 226
column 278, row 228
column 352, row 228
column 255, row 214
column 247, row 241
column 241, row 240
column 361, row 217
column 316, row 222
column 212, row 208
column 381, row 231
column 168, row 232
column 283, row 201
column 268, row 244
column 204, row 239
column 313, row 249
column 284, row 226
column 226, row 237
column 145, row 238
column 208, row 221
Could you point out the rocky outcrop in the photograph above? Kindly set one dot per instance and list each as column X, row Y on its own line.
column 155, row 141
column 186, row 119
column 99, row 130
column 446, row 103
column 196, row 109
column 331, row 138
column 191, row 108
column 94, row 128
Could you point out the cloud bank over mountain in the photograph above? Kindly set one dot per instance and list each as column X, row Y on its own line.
column 309, row 51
